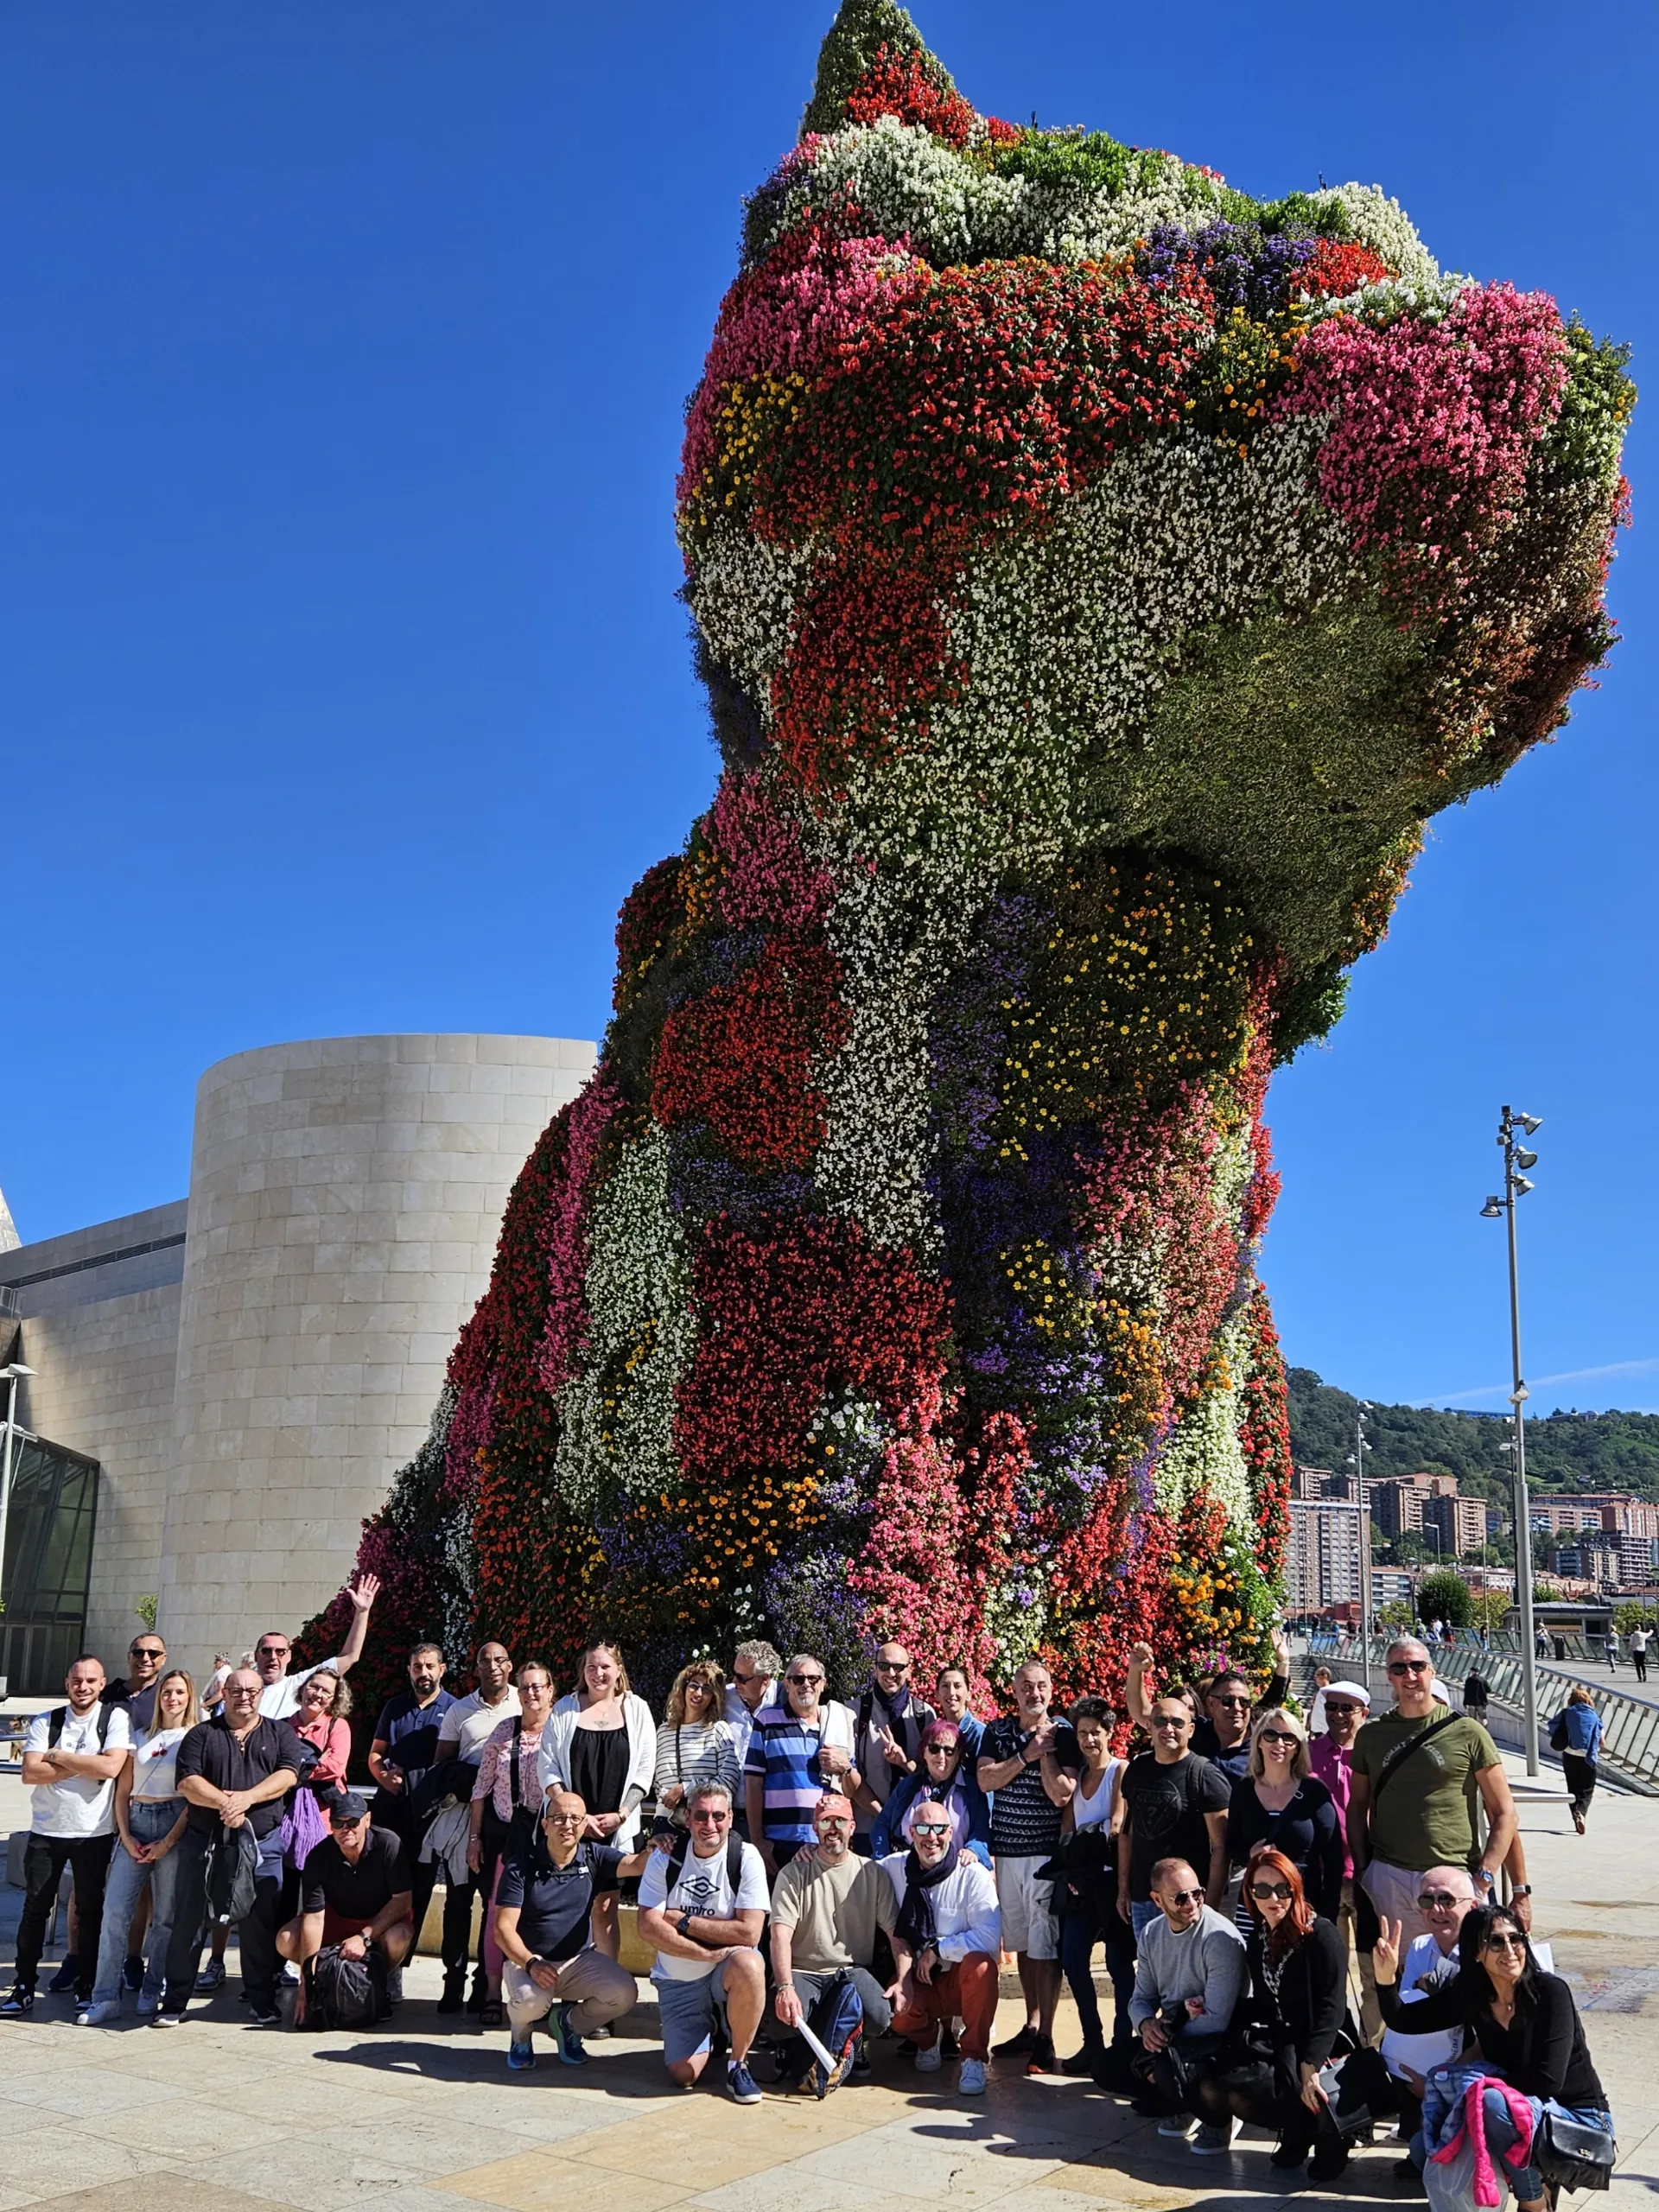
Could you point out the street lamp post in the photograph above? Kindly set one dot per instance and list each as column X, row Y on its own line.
column 1516, row 1160
column 1362, row 1446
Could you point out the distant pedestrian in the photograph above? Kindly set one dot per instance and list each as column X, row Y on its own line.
column 1639, row 1650
column 1613, row 1649
column 1575, row 1732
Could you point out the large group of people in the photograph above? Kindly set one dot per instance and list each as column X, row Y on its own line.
column 1305, row 1929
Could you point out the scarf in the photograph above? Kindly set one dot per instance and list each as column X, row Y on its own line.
column 897, row 1705
column 915, row 1922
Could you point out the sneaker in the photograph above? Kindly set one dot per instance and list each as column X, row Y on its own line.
column 971, row 2080
column 168, row 2020
column 1085, row 2063
column 149, row 2004
column 98, row 2016
column 66, row 1977
column 264, row 2015
column 1013, row 2046
column 1115, row 2076
column 1039, row 2059
column 521, row 2057
column 741, row 2085
column 1578, row 1819
column 928, row 2057
column 479, row 1991
column 1178, row 2125
column 18, row 2005
column 211, row 1977
column 1214, row 2142
column 861, row 2068
column 566, row 2044
column 454, row 1999
column 132, row 1971
column 287, row 1979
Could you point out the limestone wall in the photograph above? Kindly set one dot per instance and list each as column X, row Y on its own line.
column 345, row 1200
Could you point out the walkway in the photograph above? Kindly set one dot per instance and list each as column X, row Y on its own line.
column 220, row 2118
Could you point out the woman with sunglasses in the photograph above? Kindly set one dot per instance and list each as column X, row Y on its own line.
column 1523, row 2022
column 1085, row 1898
column 1286, row 2033
column 694, row 1744
column 946, row 1775
column 1278, row 1800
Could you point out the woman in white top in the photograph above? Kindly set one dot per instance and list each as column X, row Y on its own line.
column 1089, row 1827
column 601, row 1742
column 150, row 1820
column 694, row 1744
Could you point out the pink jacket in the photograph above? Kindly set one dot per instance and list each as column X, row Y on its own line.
column 1474, row 2125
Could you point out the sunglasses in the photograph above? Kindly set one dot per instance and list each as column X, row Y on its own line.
column 892, row 1666
column 1264, row 1890
column 747, row 1678
column 147, row 1651
column 1341, row 1705
column 806, row 1681
column 834, row 1820
column 346, row 1827
column 1170, row 1720
column 953, row 1746
column 931, row 1827
column 1186, row 1897
column 1233, row 1704
column 1409, row 1666
column 1436, row 1901
column 709, row 1820
column 1506, row 1943
column 1276, row 1735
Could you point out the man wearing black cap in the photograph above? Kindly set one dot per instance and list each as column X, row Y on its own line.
column 357, row 1892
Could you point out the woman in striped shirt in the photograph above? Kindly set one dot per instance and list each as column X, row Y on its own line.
column 694, row 1744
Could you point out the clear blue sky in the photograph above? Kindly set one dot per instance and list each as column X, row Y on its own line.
column 342, row 684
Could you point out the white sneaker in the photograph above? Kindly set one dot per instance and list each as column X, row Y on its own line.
column 927, row 2056
column 971, row 2080
column 1214, row 2142
column 1179, row 2124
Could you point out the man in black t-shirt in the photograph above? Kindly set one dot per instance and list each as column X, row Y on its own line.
column 1028, row 1765
column 233, row 1772
column 355, row 1892
column 552, row 1972
column 1176, row 1807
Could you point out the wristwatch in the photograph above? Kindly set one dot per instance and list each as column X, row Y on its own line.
column 1486, row 1876
column 682, row 1926
column 1522, row 1890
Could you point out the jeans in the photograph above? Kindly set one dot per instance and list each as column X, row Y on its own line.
column 150, row 1820
column 1141, row 1916
column 256, row 1934
column 45, row 1858
column 1501, row 2135
column 1078, row 1936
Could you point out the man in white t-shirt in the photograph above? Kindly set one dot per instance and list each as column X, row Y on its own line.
column 705, row 1917
column 280, row 1698
column 462, row 1734
column 72, row 1755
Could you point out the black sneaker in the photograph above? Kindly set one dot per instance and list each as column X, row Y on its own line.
column 66, row 1977
column 477, row 1995
column 18, row 2003
column 1015, row 2046
column 1083, row 2064
column 860, row 2060
column 263, row 2014
column 1039, row 2057
column 454, row 1999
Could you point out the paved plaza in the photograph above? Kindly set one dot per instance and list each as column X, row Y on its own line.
column 217, row 2117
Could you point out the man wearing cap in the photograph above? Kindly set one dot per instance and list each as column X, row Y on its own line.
column 357, row 1892
column 1331, row 1760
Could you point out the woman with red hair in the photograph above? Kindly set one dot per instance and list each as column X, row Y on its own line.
column 1287, row 2030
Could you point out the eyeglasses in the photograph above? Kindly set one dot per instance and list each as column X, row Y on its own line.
column 564, row 1819
column 707, row 1819
column 834, row 1820
column 233, row 1689
column 1410, row 1666
column 945, row 1749
column 1341, row 1705
column 1506, row 1942
column 931, row 1827
column 1185, row 1896
column 806, row 1681
column 1437, row 1900
column 1239, row 1704
column 147, row 1651
column 1264, row 1890
column 1170, row 1720
column 1276, row 1735
column 892, row 1666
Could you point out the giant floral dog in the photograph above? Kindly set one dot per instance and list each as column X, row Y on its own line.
column 1099, row 576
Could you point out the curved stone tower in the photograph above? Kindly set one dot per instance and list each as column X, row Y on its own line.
column 345, row 1196
column 1099, row 577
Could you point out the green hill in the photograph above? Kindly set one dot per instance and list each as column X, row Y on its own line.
column 1564, row 1451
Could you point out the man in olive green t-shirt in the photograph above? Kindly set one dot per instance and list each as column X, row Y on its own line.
column 826, row 1907
column 1428, row 1813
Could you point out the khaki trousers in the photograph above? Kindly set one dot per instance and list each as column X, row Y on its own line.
column 1359, row 1969
column 595, row 1988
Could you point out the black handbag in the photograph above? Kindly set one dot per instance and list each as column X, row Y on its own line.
column 1571, row 2154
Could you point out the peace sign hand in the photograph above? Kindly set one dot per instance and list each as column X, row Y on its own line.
column 1385, row 1952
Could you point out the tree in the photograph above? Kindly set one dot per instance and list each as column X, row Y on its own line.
column 1445, row 1597
column 1488, row 1610
column 1634, row 1614
column 1398, row 1615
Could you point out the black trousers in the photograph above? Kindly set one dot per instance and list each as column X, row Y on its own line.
column 457, row 1913
column 1252, row 2092
column 256, row 1931
column 1580, row 1778
column 45, row 1858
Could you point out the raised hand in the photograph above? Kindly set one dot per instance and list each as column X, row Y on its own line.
column 363, row 1591
column 1385, row 1952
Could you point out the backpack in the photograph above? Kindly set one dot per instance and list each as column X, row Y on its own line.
column 61, row 1714
column 734, row 1861
column 342, row 1992
column 837, row 2021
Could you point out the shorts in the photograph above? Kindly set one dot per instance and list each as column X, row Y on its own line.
column 688, row 2012
column 1027, row 1907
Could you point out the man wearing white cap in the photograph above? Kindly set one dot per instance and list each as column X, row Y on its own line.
column 1330, row 1759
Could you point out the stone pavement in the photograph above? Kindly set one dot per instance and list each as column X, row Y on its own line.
column 217, row 2117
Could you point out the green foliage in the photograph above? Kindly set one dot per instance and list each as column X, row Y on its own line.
column 1585, row 440
column 1397, row 1614
column 1087, row 161
column 1299, row 214
column 1564, row 1451
column 1634, row 1614
column 1489, row 1609
column 861, row 28
column 146, row 1608
column 1444, row 1598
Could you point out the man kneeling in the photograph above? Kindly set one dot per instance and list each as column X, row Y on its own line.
column 551, row 1971
column 357, row 1893
column 703, row 1912
column 825, row 1910
column 1189, row 1975
column 947, row 1941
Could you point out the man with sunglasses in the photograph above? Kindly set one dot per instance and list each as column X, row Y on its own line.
column 1028, row 1766
column 1331, row 1760
column 356, row 1892
column 798, row 1749
column 1421, row 1779
column 704, row 1918
column 1190, row 1971
column 279, row 1695
column 826, row 1906
column 233, row 1771
column 1175, row 1807
column 552, row 1972
column 887, row 1737
column 753, row 1687
column 136, row 1692
column 947, row 1941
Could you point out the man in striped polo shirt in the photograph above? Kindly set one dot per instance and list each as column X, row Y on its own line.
column 800, row 1748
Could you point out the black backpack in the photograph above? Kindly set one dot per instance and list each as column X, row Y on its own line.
column 677, row 1859
column 60, row 1713
column 342, row 1992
